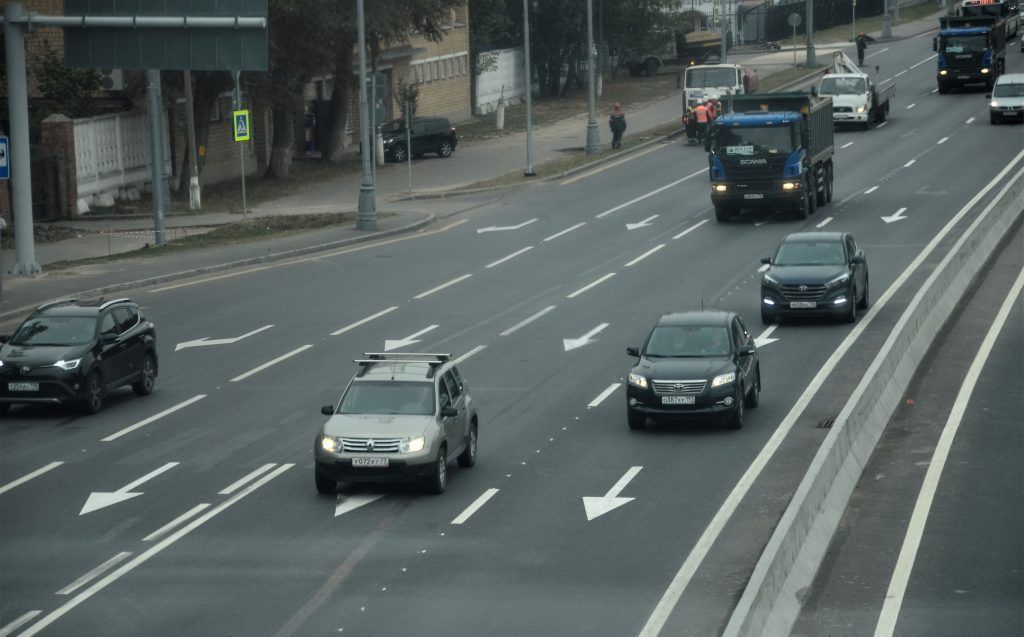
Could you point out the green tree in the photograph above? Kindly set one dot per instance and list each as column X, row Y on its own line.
column 67, row 91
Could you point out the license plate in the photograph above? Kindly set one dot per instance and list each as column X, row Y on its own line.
column 370, row 462
column 753, row 195
column 22, row 386
column 803, row 305
column 677, row 400
column 963, row 77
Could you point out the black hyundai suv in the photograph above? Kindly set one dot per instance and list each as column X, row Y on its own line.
column 428, row 135
column 75, row 352
column 815, row 274
column 694, row 364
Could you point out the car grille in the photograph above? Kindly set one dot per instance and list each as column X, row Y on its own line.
column 679, row 386
column 376, row 445
column 803, row 292
column 842, row 109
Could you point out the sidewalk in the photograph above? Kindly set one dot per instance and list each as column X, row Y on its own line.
column 472, row 163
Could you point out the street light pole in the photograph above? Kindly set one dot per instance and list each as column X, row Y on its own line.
column 886, row 23
column 810, row 34
column 722, row 31
column 366, row 215
column 529, row 90
column 593, row 140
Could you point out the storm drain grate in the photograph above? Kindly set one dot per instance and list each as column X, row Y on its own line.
column 826, row 424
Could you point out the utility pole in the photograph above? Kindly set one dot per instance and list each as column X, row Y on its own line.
column 529, row 90
column 886, row 23
column 195, row 201
column 810, row 34
column 593, row 140
column 156, row 141
column 366, row 216
column 724, row 54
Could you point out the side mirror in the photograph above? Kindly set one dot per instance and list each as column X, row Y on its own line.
column 747, row 350
column 449, row 412
column 857, row 259
column 110, row 338
column 814, row 91
column 766, row 260
column 4, row 338
column 988, row 96
column 632, row 350
column 327, row 410
column 935, row 44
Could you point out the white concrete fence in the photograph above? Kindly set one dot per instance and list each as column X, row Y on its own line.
column 504, row 77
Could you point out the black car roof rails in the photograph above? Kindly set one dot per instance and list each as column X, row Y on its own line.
column 374, row 358
column 55, row 303
column 107, row 304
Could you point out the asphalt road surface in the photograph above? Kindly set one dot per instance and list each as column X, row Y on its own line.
column 227, row 536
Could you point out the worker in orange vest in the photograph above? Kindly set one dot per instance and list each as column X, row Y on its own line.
column 701, row 113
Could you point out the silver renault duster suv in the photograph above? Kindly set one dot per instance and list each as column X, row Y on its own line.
column 403, row 417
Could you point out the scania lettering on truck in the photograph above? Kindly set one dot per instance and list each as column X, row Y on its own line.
column 772, row 152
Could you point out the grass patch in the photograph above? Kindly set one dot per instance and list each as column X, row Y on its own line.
column 781, row 78
column 258, row 229
column 628, row 91
column 845, row 32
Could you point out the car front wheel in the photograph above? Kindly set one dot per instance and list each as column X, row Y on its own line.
column 324, row 484
column 438, row 481
column 92, row 402
column 468, row 456
column 735, row 420
column 636, row 420
column 754, row 395
column 147, row 379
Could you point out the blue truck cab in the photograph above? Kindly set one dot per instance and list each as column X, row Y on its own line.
column 772, row 152
column 972, row 50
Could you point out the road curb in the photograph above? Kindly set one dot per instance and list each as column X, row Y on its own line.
column 428, row 219
column 771, row 602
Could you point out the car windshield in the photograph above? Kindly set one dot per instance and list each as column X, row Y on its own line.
column 388, row 397
column 754, row 141
column 672, row 341
column 55, row 330
column 810, row 253
column 965, row 44
column 1009, row 90
column 842, row 85
column 699, row 78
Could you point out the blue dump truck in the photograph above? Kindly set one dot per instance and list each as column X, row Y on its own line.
column 972, row 50
column 772, row 152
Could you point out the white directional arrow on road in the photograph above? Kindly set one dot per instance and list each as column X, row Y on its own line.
column 897, row 216
column 763, row 339
column 572, row 343
column 407, row 341
column 100, row 499
column 643, row 224
column 353, row 502
column 202, row 342
column 500, row 228
column 599, row 506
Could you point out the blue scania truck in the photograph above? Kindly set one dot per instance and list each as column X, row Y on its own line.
column 972, row 50
column 772, row 152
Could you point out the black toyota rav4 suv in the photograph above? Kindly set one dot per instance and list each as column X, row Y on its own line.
column 694, row 364
column 428, row 135
column 75, row 352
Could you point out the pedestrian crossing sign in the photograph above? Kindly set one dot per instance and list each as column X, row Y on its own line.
column 241, row 119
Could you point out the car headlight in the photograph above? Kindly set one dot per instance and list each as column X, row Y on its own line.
column 329, row 443
column 719, row 187
column 994, row 104
column 412, row 445
column 861, row 109
column 1, row 363
column 790, row 185
column 984, row 71
column 723, row 379
column 637, row 380
column 770, row 281
column 943, row 72
column 839, row 280
column 68, row 365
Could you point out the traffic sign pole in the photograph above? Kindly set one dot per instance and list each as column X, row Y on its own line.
column 156, row 152
column 244, row 117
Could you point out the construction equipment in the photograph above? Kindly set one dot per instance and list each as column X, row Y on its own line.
column 855, row 97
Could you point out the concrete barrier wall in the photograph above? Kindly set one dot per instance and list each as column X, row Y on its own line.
column 771, row 601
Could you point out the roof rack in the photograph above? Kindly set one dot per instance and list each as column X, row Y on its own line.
column 373, row 358
column 107, row 304
column 55, row 303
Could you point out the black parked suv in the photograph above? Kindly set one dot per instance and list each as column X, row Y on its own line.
column 694, row 364
column 429, row 135
column 75, row 352
column 815, row 274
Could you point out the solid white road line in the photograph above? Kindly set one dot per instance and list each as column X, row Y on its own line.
column 94, row 573
column 871, row 55
column 511, row 256
column 846, row 145
column 824, row 222
column 686, row 571
column 910, row 106
column 475, row 350
column 928, row 59
column 28, row 476
column 882, row 125
column 235, row 486
column 10, row 628
column 442, row 286
column 526, row 322
column 605, row 394
column 364, row 321
column 154, row 418
column 870, row 190
column 631, row 157
column 277, row 360
column 690, row 229
column 969, row 120
column 915, row 531
column 650, row 194
column 900, row 73
column 471, row 509
column 149, row 553
column 587, row 287
column 187, row 515
column 943, row 140
column 645, row 254
column 909, row 163
column 566, row 231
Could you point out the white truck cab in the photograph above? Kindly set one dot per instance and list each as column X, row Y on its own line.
column 855, row 98
column 705, row 82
